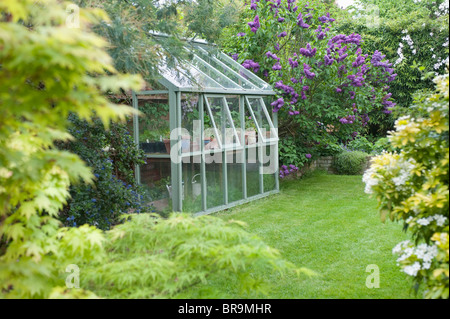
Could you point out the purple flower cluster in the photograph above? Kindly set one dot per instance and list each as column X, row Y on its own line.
column 277, row 104
column 285, row 170
column 241, row 34
column 272, row 55
column 282, row 34
column 306, row 69
column 235, row 56
column 276, row 66
column 321, row 34
column 342, row 38
column 349, row 119
column 253, row 5
column 290, row 2
column 387, row 105
column 250, row 64
column 292, row 112
column 308, row 52
column 326, row 18
column 377, row 61
column 365, row 119
column 359, row 61
column 357, row 79
column 293, row 63
column 254, row 25
column 277, row 46
column 301, row 23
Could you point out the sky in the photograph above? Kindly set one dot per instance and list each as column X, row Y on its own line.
column 344, row 3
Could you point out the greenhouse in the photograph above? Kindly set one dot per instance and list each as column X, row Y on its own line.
column 209, row 134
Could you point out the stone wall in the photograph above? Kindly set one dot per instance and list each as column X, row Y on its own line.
column 326, row 163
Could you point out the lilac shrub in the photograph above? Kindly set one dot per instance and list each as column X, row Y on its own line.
column 326, row 85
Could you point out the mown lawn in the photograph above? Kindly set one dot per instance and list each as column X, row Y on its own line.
column 327, row 224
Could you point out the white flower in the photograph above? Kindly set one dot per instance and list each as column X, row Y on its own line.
column 440, row 220
column 400, row 246
column 413, row 269
column 370, row 180
column 426, row 265
column 423, row 222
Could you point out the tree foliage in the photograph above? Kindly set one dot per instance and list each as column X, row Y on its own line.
column 411, row 33
column 328, row 88
column 151, row 257
column 47, row 71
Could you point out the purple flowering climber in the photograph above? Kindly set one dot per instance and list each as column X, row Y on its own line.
column 241, row 34
column 235, row 56
column 282, row 34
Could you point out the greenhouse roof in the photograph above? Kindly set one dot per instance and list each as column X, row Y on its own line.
column 211, row 71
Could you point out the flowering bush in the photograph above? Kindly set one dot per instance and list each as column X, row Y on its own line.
column 112, row 156
column 326, row 85
column 412, row 186
column 411, row 33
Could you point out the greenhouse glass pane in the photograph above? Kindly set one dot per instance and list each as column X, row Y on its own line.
column 236, row 67
column 225, row 70
column 222, row 120
column 214, row 74
column 269, row 167
column 188, row 76
column 266, row 130
column 191, row 185
column 155, row 180
column 252, row 171
column 214, row 185
column 234, row 176
column 235, row 108
column 154, row 127
column 190, row 123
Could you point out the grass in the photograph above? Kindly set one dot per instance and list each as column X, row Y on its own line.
column 329, row 225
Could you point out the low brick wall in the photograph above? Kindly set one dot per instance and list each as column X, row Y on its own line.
column 325, row 163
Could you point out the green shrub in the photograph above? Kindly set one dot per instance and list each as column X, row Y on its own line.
column 361, row 144
column 48, row 70
column 350, row 163
column 112, row 155
column 412, row 186
column 152, row 257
